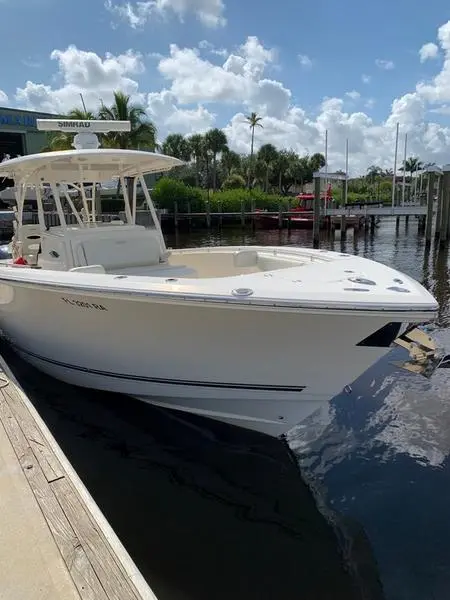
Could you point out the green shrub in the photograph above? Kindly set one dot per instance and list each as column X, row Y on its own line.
column 233, row 182
column 167, row 191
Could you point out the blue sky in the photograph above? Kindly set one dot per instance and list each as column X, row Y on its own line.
column 343, row 41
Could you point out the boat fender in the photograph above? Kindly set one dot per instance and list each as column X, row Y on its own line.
column 20, row 261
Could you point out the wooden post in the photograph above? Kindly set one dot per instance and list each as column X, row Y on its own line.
column 242, row 213
column 289, row 216
column 343, row 227
column 280, row 215
column 189, row 215
column 175, row 214
column 252, row 204
column 445, row 205
column 406, row 221
column 316, row 219
column 397, row 224
column 372, row 223
column 437, row 228
column 430, row 198
column 220, row 214
column 208, row 215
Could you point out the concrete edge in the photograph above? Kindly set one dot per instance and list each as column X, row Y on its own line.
column 130, row 567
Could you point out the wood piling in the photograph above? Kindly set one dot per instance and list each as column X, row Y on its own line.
column 443, row 236
column 430, row 199
column 316, row 221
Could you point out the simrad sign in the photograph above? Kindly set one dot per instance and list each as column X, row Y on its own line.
column 21, row 120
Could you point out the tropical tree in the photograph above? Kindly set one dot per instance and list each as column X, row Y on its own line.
column 281, row 166
column 373, row 172
column 143, row 131
column 234, row 181
column 316, row 161
column 253, row 121
column 196, row 144
column 216, row 142
column 178, row 146
column 411, row 165
column 230, row 162
column 267, row 155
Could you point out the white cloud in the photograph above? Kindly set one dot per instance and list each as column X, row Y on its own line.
column 3, row 97
column 353, row 95
column 240, row 80
column 196, row 91
column 163, row 109
column 137, row 14
column 438, row 90
column 441, row 110
column 305, row 61
column 386, row 65
column 86, row 73
column 366, row 78
column 428, row 51
column 205, row 45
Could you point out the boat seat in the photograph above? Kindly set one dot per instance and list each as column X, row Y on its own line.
column 121, row 252
column 90, row 269
column 245, row 258
column 272, row 263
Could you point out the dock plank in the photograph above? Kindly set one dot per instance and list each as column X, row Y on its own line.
column 50, row 465
column 72, row 551
column 102, row 560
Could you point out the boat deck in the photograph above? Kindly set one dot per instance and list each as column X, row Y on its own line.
column 54, row 541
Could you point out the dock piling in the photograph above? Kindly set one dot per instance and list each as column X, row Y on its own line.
column 316, row 220
column 430, row 198
column 443, row 237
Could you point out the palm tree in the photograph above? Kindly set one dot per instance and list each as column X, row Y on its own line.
column 216, row 142
column 254, row 121
column 267, row 155
column 373, row 172
column 411, row 165
column 230, row 161
column 281, row 167
column 177, row 145
column 61, row 140
column 143, row 131
column 196, row 143
column 317, row 161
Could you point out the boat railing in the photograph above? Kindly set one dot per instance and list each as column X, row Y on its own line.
column 143, row 217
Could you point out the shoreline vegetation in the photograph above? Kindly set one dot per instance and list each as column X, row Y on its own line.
column 213, row 174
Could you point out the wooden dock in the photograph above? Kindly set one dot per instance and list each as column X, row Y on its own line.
column 54, row 541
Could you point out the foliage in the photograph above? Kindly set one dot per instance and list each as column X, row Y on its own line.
column 167, row 191
column 142, row 134
column 253, row 121
column 143, row 131
column 178, row 146
column 268, row 173
column 234, row 181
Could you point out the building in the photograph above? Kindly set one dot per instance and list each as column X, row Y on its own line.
column 18, row 132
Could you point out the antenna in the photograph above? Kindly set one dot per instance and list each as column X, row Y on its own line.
column 85, row 126
column 85, row 130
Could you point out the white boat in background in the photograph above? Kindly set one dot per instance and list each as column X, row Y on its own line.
column 259, row 337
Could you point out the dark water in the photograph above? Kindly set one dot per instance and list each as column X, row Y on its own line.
column 209, row 511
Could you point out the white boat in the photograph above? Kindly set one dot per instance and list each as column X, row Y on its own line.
column 259, row 337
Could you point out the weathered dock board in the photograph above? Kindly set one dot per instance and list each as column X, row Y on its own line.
column 54, row 541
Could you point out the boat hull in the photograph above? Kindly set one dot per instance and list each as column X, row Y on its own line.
column 255, row 367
